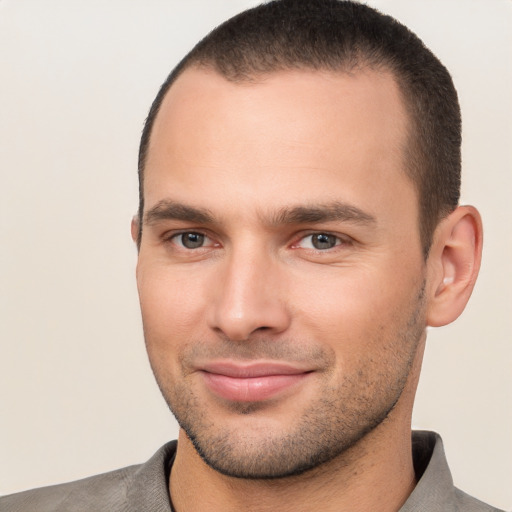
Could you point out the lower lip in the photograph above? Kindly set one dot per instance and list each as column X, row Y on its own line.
column 251, row 389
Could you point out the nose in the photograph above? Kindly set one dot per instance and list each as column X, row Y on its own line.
column 249, row 296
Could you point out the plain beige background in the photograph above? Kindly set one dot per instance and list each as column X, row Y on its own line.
column 78, row 76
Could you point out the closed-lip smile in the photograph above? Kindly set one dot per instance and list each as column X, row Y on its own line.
column 253, row 381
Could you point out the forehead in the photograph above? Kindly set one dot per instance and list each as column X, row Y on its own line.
column 292, row 132
column 338, row 97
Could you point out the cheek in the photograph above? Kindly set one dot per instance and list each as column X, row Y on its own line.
column 172, row 305
column 355, row 309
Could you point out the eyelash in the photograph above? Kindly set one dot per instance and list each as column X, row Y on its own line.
column 172, row 239
column 338, row 241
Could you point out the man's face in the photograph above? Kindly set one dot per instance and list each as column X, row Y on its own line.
column 280, row 272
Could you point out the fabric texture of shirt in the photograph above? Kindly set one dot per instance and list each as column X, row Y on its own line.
column 144, row 488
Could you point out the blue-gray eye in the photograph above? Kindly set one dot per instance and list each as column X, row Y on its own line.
column 322, row 241
column 191, row 240
column 319, row 241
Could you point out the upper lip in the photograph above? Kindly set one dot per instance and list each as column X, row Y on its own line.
column 252, row 369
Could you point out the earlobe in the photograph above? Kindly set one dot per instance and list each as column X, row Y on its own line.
column 454, row 262
column 135, row 228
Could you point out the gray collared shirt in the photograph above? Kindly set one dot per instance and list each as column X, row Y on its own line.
column 144, row 488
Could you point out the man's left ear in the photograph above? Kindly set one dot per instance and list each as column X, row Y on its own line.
column 453, row 264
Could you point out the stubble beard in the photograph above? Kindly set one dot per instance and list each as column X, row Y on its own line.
column 336, row 421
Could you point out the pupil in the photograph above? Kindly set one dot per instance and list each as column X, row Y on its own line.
column 192, row 240
column 323, row 241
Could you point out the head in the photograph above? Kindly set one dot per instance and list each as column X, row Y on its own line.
column 343, row 36
column 297, row 234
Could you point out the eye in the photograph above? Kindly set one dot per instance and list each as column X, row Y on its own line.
column 319, row 241
column 191, row 240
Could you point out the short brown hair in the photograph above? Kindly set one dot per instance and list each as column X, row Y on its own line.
column 343, row 36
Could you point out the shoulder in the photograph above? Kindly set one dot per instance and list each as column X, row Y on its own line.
column 101, row 492
column 467, row 503
column 138, row 487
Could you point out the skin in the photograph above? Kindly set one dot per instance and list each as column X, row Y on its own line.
column 253, row 172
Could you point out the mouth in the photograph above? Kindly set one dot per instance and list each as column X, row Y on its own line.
column 254, row 382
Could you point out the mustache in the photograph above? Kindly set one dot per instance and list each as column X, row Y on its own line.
column 283, row 350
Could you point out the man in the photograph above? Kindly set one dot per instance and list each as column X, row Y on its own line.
column 298, row 229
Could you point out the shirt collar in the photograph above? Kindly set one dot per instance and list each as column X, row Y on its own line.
column 149, row 489
column 434, row 490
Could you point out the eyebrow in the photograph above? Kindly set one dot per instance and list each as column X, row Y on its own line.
column 335, row 211
column 170, row 210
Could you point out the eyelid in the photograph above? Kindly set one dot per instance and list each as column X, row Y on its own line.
column 171, row 236
column 341, row 240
